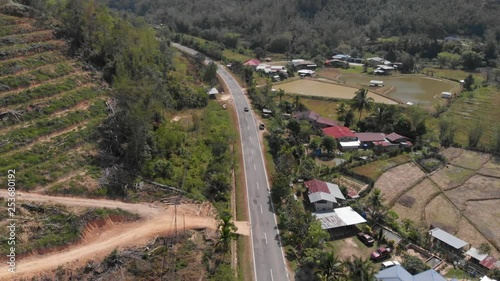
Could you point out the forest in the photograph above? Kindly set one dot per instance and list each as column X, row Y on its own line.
column 320, row 28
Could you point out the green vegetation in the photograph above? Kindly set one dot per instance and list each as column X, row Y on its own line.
column 40, row 75
column 16, row 65
column 375, row 169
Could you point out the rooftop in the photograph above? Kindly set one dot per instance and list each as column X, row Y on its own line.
column 394, row 137
column 339, row 217
column 326, row 121
column 448, row 238
column 339, row 132
column 473, row 252
column 321, row 190
column 370, row 137
column 489, row 262
column 398, row 273
column 306, row 114
column 252, row 62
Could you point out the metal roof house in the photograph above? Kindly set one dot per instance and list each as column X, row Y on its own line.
column 398, row 273
column 448, row 239
column 340, row 217
column 323, row 194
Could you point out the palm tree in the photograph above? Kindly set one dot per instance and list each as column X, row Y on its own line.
column 281, row 93
column 376, row 200
column 227, row 232
column 384, row 118
column 341, row 111
column 296, row 101
column 361, row 101
column 330, row 268
column 359, row 269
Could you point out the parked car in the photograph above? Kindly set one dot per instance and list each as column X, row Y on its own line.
column 245, row 109
column 380, row 254
column 366, row 239
column 262, row 126
column 388, row 264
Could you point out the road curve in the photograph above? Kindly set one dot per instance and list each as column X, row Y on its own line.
column 268, row 257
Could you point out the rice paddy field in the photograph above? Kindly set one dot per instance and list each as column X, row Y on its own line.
column 461, row 197
column 309, row 87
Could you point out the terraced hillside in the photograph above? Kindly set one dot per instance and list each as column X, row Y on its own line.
column 49, row 111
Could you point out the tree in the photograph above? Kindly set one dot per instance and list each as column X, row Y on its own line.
column 328, row 143
column 359, row 269
column 296, row 102
column 485, row 248
column 447, row 131
column 330, row 268
column 414, row 265
column 294, row 127
column 341, row 111
column 468, row 82
column 281, row 187
column 348, row 118
column 210, row 75
column 227, row 231
column 376, row 200
column 382, row 119
column 471, row 60
column 448, row 59
column 495, row 144
column 494, row 274
column 475, row 133
column 315, row 235
column 281, row 94
column 361, row 101
column 259, row 52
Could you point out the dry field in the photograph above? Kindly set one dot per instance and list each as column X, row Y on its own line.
column 469, row 233
column 375, row 169
column 471, row 160
column 491, row 168
column 311, row 87
column 476, row 188
column 441, row 213
column 470, row 186
column 411, row 204
column 485, row 215
column 451, row 153
column 451, row 176
column 397, row 180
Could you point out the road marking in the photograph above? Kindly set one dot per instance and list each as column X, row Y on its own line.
column 272, row 279
column 261, row 209
column 257, row 185
column 248, row 128
column 265, row 236
column 252, row 151
column 254, row 167
column 250, row 139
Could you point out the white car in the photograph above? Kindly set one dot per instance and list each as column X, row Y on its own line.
column 388, row 264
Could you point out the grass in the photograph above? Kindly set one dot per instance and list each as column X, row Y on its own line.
column 375, row 169
column 231, row 55
column 467, row 113
column 454, row 74
column 26, row 38
column 42, row 74
column 459, row 274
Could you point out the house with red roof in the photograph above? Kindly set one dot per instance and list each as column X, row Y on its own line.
column 323, row 194
column 252, row 62
column 346, row 138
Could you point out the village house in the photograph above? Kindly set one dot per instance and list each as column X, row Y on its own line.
column 367, row 140
column 299, row 64
column 323, row 194
column 315, row 119
column 252, row 62
column 345, row 138
column 398, row 273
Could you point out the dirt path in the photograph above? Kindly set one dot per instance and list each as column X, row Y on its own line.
column 157, row 220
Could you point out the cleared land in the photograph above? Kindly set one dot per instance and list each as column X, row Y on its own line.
column 476, row 188
column 411, row 204
column 310, row 87
column 451, row 153
column 398, row 179
column 50, row 109
column 441, row 213
column 469, row 233
column 375, row 169
column 451, row 176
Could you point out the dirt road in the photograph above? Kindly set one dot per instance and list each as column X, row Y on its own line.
column 97, row 243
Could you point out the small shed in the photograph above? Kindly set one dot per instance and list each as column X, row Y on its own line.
column 448, row 239
column 212, row 91
column 376, row 83
column 446, row 95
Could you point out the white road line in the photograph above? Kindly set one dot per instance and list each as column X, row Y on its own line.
column 258, row 185
column 252, row 151
column 261, row 209
column 254, row 167
column 272, row 279
column 248, row 128
column 265, row 236
column 250, row 138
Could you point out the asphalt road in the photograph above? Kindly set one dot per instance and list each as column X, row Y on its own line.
column 269, row 262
